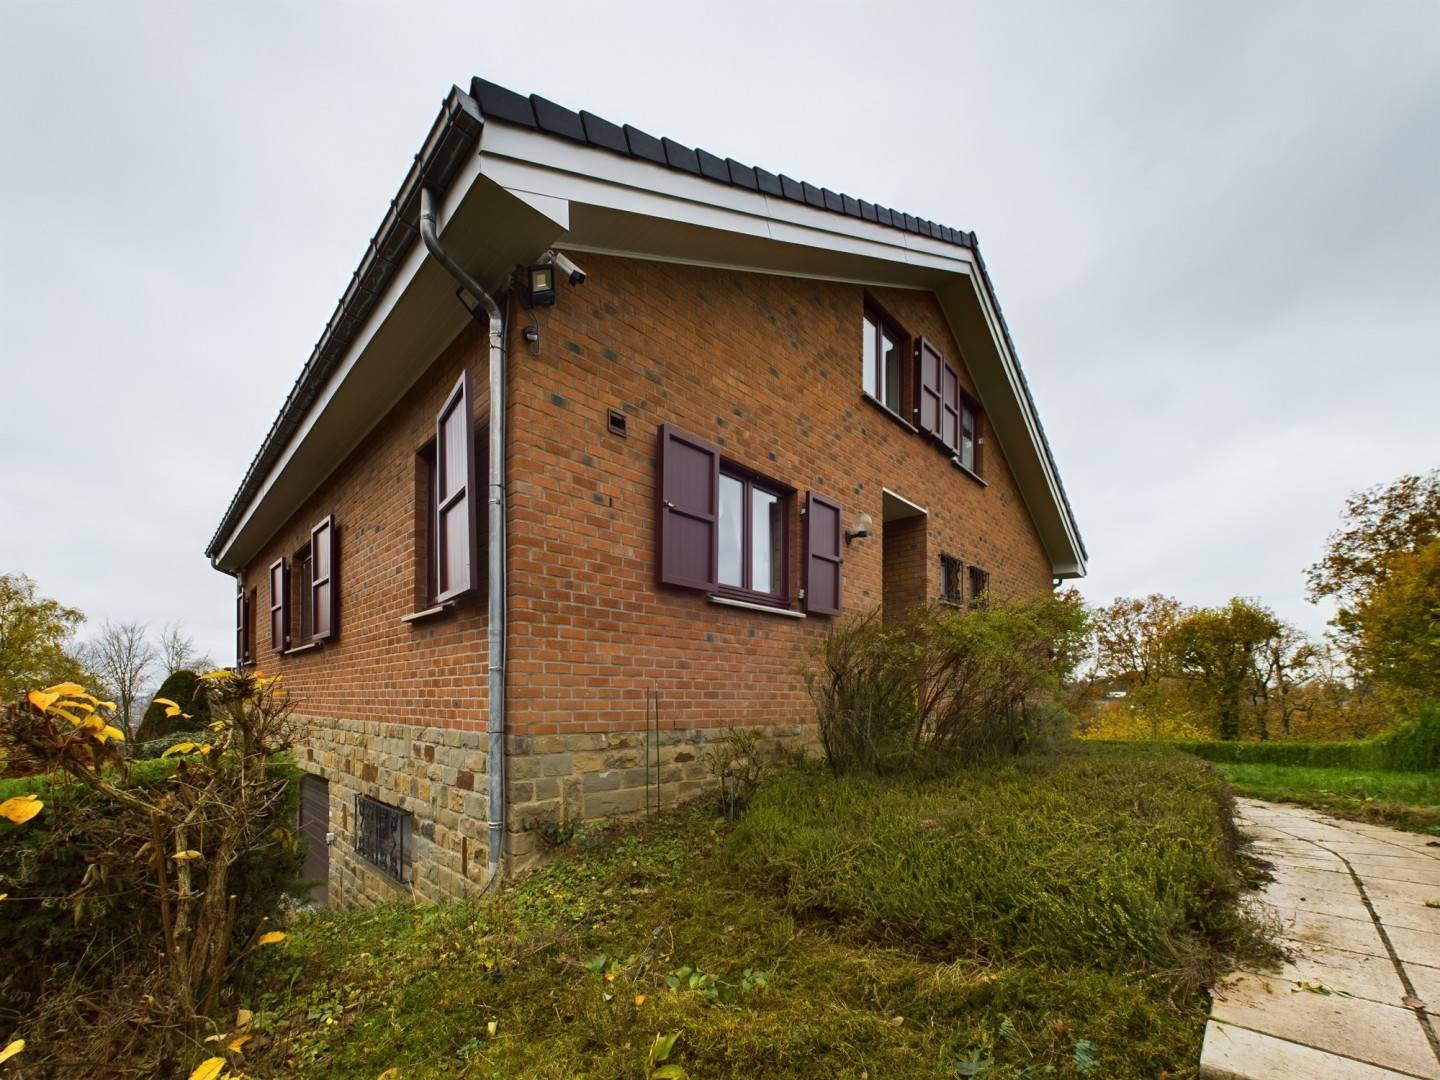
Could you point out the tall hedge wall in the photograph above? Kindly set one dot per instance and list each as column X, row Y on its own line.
column 1411, row 747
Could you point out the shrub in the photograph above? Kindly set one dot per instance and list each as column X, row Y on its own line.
column 139, row 888
column 948, row 683
column 186, row 690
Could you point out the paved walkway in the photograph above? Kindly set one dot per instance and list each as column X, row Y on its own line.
column 1359, row 912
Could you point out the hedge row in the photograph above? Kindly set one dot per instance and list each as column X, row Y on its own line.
column 1411, row 747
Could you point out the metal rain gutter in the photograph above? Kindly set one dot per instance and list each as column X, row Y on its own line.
column 495, row 724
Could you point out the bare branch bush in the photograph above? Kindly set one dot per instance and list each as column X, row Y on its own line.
column 194, row 862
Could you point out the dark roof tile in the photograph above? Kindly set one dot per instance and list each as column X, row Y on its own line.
column 644, row 146
column 556, row 119
column 769, row 182
column 852, row 206
column 497, row 103
column 712, row 167
column 813, row 195
column 867, row 210
column 741, row 175
column 882, row 215
column 832, row 201
column 681, row 157
column 792, row 189
column 604, row 134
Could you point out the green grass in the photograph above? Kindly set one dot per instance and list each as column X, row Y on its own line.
column 1405, row 800
column 971, row 928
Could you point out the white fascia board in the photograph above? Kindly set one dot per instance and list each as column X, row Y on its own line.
column 404, row 277
column 526, row 162
column 1032, row 426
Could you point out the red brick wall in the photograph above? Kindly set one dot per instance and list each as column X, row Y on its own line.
column 768, row 368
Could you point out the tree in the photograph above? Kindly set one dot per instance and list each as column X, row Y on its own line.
column 121, row 656
column 1396, row 626
column 177, row 651
column 34, row 632
column 1130, row 639
column 1217, row 650
column 1287, row 663
column 1132, row 653
column 1380, row 523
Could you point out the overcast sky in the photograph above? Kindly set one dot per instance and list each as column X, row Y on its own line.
column 1214, row 228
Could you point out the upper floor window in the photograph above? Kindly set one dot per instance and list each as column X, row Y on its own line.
column 752, row 534
column 969, row 449
column 311, row 614
column 944, row 410
column 883, row 355
column 726, row 530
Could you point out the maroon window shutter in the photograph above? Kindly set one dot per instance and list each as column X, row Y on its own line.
column 457, row 560
column 279, row 606
column 324, row 581
column 242, row 627
column 824, row 554
column 928, row 388
column 949, row 408
column 689, row 486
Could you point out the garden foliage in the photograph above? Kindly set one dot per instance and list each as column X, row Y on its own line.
column 946, row 684
column 131, row 892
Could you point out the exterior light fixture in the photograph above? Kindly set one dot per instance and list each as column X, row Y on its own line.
column 541, row 281
column 861, row 530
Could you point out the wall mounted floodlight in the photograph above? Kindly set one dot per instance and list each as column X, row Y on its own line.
column 863, row 524
column 540, row 280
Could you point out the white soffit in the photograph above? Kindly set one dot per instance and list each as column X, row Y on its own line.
column 525, row 161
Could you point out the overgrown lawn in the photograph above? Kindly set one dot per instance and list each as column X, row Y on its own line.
column 1056, row 916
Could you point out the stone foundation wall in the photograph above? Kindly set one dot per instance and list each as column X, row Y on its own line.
column 438, row 775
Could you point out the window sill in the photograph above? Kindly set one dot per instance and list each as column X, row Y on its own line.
column 725, row 601
column 891, row 413
column 313, row 646
column 972, row 475
column 429, row 613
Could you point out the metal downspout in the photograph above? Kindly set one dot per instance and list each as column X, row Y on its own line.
column 496, row 502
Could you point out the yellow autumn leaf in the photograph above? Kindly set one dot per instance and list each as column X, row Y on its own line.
column 21, row 808
column 111, row 732
column 243, row 1018
column 216, row 725
column 492, row 1027
column 218, row 673
column 209, row 1069
column 83, row 706
column 76, row 720
column 67, row 688
column 639, row 999
column 388, row 1074
column 3, row 895
column 185, row 856
column 11, row 1050
column 236, row 1044
column 274, row 937
column 165, row 701
column 106, row 705
column 179, row 748
column 42, row 700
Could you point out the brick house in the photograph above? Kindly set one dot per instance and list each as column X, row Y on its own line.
column 766, row 406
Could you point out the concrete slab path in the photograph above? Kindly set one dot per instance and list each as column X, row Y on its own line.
column 1358, row 998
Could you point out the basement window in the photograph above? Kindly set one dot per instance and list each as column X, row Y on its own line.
column 383, row 838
